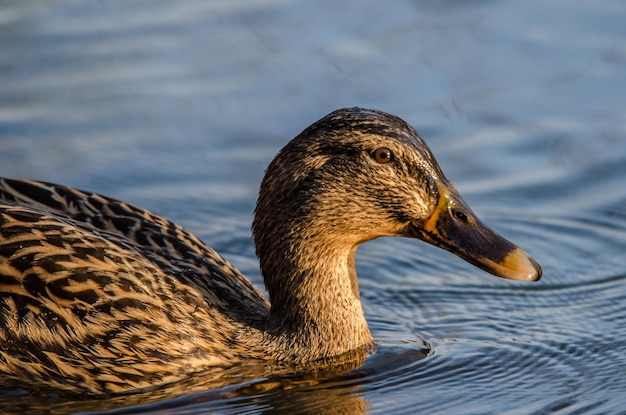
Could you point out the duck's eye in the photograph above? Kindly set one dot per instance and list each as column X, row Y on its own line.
column 461, row 216
column 382, row 155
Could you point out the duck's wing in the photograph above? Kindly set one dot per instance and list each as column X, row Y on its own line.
column 102, row 296
column 169, row 246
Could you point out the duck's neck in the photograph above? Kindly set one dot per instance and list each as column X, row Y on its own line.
column 316, row 311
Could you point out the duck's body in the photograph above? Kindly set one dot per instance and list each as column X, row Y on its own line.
column 98, row 296
column 101, row 296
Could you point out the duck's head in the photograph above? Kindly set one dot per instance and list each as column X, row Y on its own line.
column 358, row 174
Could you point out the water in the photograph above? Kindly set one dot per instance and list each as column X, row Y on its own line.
column 179, row 106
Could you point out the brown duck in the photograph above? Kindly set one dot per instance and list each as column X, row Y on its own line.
column 98, row 296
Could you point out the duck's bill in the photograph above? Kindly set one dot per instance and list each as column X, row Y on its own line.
column 455, row 228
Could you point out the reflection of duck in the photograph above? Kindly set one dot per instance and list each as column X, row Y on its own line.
column 99, row 296
column 335, row 393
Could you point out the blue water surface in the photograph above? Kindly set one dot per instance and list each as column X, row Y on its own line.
column 178, row 107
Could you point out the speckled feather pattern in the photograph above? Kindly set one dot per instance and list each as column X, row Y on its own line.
column 97, row 296
column 102, row 296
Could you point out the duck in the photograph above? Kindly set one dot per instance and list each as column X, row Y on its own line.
column 101, row 297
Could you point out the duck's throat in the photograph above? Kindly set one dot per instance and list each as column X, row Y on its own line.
column 316, row 310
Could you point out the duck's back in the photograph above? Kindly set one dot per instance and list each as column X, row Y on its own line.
column 100, row 296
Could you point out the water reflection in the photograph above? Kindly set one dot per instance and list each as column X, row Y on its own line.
column 245, row 387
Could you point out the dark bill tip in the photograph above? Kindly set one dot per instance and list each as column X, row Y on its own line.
column 454, row 227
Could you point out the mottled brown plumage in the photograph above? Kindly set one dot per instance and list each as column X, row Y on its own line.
column 97, row 296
